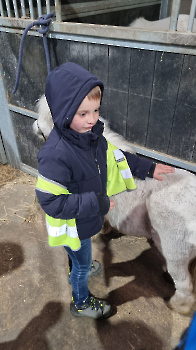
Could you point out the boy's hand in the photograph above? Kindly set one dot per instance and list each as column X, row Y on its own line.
column 162, row 169
column 112, row 205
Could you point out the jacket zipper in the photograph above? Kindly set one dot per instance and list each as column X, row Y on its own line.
column 97, row 165
column 99, row 171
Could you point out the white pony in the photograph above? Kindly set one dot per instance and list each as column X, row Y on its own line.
column 164, row 211
column 163, row 24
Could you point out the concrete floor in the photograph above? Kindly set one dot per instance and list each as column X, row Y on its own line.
column 35, row 295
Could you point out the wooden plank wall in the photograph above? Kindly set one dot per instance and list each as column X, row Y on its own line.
column 149, row 96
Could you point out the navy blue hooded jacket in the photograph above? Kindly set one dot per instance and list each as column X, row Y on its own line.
column 71, row 158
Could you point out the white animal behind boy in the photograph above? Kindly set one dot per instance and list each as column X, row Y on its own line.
column 163, row 24
column 164, row 211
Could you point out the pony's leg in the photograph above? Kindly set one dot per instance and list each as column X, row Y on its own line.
column 183, row 299
column 172, row 216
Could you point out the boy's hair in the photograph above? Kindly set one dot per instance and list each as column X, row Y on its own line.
column 95, row 93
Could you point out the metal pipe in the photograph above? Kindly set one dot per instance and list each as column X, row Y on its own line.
column 15, row 8
column 164, row 158
column 164, row 9
column 122, row 36
column 31, row 9
column 58, row 10
column 7, row 129
column 28, row 169
column 158, row 43
column 22, row 111
column 39, row 7
column 22, row 4
column 1, row 8
column 7, row 3
column 3, row 158
column 192, row 16
column 48, row 6
column 174, row 14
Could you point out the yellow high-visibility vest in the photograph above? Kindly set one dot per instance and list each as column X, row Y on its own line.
column 119, row 176
column 60, row 232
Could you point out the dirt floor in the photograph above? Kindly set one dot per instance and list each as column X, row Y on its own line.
column 35, row 294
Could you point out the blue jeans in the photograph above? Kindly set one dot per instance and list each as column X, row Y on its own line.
column 81, row 265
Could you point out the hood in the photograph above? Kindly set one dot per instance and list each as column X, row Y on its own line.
column 66, row 87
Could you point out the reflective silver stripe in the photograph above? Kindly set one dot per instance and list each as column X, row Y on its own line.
column 51, row 181
column 44, row 191
column 119, row 156
column 126, row 173
column 59, row 231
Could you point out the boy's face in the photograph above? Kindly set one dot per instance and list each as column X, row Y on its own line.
column 86, row 115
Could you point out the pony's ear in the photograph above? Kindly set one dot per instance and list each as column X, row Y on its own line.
column 43, row 109
column 45, row 121
column 37, row 131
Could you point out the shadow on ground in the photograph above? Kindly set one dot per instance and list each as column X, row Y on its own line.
column 146, row 269
column 33, row 335
column 11, row 257
column 127, row 335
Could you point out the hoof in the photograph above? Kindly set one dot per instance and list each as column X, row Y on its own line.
column 181, row 306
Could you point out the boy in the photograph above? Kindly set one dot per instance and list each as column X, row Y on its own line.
column 78, row 172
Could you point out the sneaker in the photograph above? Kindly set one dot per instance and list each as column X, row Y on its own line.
column 94, row 271
column 92, row 307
